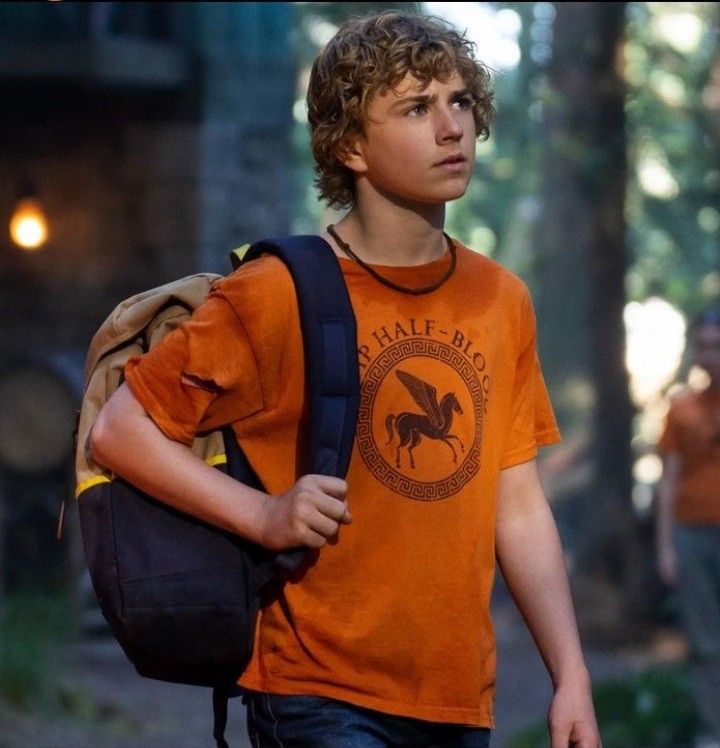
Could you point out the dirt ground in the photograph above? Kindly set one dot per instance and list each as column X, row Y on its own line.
column 134, row 712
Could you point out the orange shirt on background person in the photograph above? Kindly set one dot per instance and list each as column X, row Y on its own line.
column 395, row 614
column 692, row 430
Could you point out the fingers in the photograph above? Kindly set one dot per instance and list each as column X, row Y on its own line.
column 314, row 539
column 328, row 484
column 334, row 509
column 323, row 525
column 571, row 718
column 585, row 735
column 314, row 528
column 326, row 494
column 559, row 736
column 574, row 735
column 309, row 514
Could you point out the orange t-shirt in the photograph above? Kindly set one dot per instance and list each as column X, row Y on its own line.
column 692, row 429
column 395, row 615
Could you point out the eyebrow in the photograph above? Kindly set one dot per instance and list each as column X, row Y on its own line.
column 428, row 99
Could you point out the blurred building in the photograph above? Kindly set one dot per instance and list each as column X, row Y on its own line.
column 155, row 137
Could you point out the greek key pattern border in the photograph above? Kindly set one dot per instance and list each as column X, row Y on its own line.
column 376, row 464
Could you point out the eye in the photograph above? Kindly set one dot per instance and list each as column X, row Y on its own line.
column 417, row 109
column 464, row 102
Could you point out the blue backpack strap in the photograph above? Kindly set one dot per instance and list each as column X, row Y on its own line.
column 330, row 343
column 329, row 335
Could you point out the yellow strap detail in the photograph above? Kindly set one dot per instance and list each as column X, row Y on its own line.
column 89, row 483
column 238, row 254
column 96, row 480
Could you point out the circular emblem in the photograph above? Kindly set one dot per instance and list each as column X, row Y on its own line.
column 420, row 420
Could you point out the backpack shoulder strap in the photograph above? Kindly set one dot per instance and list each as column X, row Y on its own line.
column 330, row 344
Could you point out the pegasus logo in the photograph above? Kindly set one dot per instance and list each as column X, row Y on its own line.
column 435, row 424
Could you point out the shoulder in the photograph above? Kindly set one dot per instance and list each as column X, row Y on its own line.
column 477, row 268
column 267, row 277
column 500, row 296
column 261, row 295
column 498, row 292
column 685, row 407
column 259, row 288
column 682, row 397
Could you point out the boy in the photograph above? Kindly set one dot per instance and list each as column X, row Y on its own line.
column 688, row 526
column 385, row 637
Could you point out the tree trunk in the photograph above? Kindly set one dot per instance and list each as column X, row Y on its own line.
column 580, row 297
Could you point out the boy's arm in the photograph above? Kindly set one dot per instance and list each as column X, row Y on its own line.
column 126, row 440
column 530, row 557
column 667, row 491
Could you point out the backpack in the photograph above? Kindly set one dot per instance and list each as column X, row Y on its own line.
column 182, row 596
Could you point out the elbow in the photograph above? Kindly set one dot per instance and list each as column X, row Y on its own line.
column 119, row 426
column 110, row 430
column 100, row 440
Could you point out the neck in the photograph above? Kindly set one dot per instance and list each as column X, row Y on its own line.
column 383, row 230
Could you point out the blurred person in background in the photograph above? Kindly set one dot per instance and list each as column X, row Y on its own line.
column 688, row 520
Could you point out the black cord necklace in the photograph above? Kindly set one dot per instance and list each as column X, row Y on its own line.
column 390, row 284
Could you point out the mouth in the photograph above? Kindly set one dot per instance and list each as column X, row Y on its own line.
column 455, row 159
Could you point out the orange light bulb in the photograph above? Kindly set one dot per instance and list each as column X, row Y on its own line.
column 28, row 225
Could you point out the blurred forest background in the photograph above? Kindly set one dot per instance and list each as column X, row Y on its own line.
column 599, row 186
column 155, row 137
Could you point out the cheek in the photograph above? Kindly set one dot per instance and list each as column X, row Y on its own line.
column 404, row 147
column 396, row 158
column 469, row 140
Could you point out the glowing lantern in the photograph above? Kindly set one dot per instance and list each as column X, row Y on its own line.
column 28, row 225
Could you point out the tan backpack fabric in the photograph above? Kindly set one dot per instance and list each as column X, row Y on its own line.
column 134, row 326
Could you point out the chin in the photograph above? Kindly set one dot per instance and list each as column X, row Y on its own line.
column 443, row 194
column 449, row 195
column 437, row 196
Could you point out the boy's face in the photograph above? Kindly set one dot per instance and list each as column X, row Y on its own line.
column 419, row 142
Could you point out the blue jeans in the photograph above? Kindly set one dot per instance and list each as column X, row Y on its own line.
column 698, row 552
column 315, row 722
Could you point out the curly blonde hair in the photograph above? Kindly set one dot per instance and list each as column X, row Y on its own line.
column 370, row 55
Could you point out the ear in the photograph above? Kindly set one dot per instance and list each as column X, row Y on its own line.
column 350, row 154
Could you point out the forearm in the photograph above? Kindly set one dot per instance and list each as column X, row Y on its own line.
column 125, row 440
column 665, row 520
column 531, row 561
column 667, row 490
column 664, row 525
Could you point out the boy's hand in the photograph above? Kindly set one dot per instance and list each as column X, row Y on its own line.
column 309, row 514
column 572, row 720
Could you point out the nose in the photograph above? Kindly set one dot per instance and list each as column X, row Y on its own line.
column 447, row 126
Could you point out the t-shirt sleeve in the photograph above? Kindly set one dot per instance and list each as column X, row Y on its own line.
column 201, row 376
column 532, row 421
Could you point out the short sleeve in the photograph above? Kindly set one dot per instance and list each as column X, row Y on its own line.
column 532, row 421
column 201, row 376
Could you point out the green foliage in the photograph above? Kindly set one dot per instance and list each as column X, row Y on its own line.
column 35, row 686
column 673, row 113
column 652, row 710
column 32, row 629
